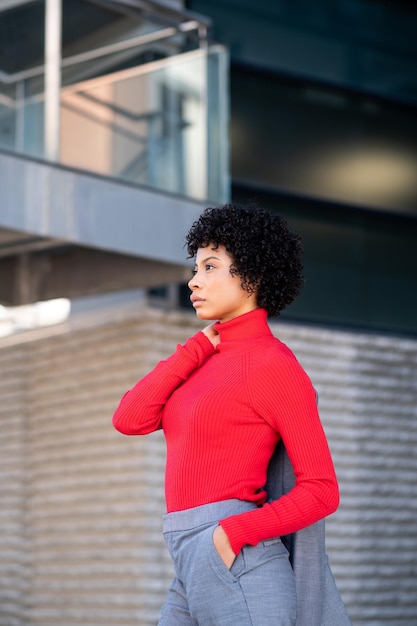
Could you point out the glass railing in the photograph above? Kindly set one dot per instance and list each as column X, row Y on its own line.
column 160, row 121
column 162, row 124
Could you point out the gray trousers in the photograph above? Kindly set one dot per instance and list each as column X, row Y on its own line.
column 258, row 590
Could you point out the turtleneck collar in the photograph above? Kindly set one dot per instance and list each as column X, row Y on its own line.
column 247, row 326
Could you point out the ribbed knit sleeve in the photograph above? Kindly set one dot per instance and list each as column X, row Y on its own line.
column 282, row 393
column 140, row 409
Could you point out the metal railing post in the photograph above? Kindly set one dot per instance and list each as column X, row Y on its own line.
column 53, row 30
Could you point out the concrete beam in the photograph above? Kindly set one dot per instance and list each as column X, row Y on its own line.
column 72, row 272
column 48, row 200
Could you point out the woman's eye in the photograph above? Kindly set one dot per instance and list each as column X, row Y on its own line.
column 207, row 267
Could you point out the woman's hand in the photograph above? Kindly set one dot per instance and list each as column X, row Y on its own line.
column 211, row 334
column 223, row 547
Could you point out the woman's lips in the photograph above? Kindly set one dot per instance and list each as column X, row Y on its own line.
column 196, row 301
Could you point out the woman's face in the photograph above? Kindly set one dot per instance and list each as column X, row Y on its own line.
column 216, row 293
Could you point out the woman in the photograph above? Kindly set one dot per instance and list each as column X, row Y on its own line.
column 224, row 400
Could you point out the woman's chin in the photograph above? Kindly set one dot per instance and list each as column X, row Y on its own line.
column 204, row 316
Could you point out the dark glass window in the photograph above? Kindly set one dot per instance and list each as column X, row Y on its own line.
column 341, row 167
column 322, row 142
column 360, row 266
column 368, row 45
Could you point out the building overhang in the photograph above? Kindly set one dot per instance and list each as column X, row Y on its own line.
column 68, row 233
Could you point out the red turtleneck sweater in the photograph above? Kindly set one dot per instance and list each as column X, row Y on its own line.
column 222, row 411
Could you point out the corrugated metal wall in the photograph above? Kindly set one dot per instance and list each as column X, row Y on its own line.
column 14, row 548
column 80, row 505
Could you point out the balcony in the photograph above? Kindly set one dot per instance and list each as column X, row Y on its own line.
column 113, row 127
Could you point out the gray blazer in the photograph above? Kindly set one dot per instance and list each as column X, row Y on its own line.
column 318, row 599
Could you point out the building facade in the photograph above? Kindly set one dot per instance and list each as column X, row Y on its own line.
column 113, row 136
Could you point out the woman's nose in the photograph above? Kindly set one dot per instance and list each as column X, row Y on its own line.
column 193, row 283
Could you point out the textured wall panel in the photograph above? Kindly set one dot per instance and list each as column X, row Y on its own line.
column 14, row 552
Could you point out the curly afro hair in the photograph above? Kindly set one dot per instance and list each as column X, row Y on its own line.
column 266, row 254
